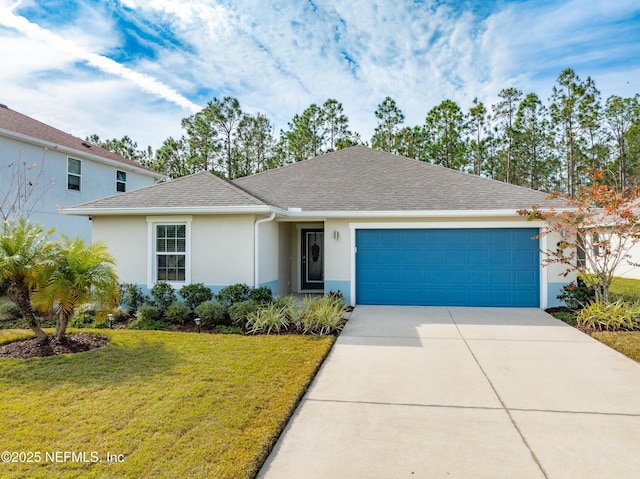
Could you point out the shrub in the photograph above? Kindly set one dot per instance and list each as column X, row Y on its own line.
column 82, row 320
column 336, row 295
column 132, row 297
column 233, row 294
column 10, row 311
column 221, row 329
column 289, row 307
column 146, row 324
column 177, row 313
column 149, row 313
column 211, row 313
column 261, row 295
column 163, row 295
column 577, row 295
column 239, row 312
column 269, row 319
column 613, row 316
column 120, row 315
column 322, row 315
column 195, row 294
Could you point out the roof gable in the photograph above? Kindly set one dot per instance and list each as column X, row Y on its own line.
column 363, row 179
column 13, row 121
column 200, row 190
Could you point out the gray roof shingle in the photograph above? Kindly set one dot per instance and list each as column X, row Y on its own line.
column 17, row 122
column 363, row 179
column 202, row 189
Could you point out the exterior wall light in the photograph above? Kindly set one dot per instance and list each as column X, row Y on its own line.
column 336, row 234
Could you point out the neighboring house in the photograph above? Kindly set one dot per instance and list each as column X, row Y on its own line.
column 383, row 229
column 48, row 169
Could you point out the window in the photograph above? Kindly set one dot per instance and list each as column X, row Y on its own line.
column 121, row 181
column 171, row 253
column 74, row 173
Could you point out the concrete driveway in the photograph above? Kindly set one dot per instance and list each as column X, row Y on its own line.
column 435, row 392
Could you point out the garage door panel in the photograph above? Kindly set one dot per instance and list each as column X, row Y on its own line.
column 492, row 267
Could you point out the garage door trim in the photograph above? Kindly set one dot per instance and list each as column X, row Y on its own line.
column 450, row 225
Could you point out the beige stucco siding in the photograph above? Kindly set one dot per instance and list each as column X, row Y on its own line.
column 285, row 258
column 126, row 239
column 268, row 255
column 222, row 249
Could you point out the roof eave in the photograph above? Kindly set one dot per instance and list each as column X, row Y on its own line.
column 404, row 214
column 196, row 210
column 75, row 152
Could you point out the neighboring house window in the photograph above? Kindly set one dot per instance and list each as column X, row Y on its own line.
column 121, row 181
column 74, row 174
column 595, row 241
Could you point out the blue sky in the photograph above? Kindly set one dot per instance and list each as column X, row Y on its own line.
column 138, row 67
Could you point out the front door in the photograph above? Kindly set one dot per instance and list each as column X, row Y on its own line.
column 312, row 260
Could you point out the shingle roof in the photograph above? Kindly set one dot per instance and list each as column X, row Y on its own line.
column 202, row 189
column 363, row 179
column 17, row 122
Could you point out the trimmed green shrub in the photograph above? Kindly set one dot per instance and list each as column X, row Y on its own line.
column 233, row 294
column 10, row 311
column 322, row 315
column 177, row 313
column 132, row 297
column 261, row 295
column 266, row 320
column 195, row 294
column 221, row 329
column 613, row 316
column 577, row 295
column 163, row 295
column 211, row 312
column 149, row 313
column 239, row 312
column 146, row 324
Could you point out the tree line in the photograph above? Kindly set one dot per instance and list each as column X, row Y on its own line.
column 520, row 139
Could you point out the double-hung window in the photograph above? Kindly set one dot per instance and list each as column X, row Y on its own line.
column 121, row 181
column 169, row 250
column 74, row 174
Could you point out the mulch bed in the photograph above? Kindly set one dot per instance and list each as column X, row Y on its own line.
column 34, row 348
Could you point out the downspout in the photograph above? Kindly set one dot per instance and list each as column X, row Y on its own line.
column 256, row 252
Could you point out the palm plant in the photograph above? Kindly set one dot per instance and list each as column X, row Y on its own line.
column 80, row 274
column 25, row 250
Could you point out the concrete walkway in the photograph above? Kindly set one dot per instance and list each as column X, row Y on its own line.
column 431, row 392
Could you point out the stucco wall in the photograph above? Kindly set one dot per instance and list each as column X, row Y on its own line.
column 221, row 248
column 97, row 181
column 285, row 259
column 268, row 255
column 126, row 238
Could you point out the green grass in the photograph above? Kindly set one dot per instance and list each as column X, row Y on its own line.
column 628, row 343
column 173, row 404
column 626, row 289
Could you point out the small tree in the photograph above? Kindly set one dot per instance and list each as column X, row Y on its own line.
column 25, row 250
column 80, row 274
column 600, row 222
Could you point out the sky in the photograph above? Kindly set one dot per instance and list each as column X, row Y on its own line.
column 137, row 67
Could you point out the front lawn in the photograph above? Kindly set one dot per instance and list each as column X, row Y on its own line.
column 626, row 342
column 157, row 404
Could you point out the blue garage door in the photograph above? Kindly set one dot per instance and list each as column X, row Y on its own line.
column 448, row 267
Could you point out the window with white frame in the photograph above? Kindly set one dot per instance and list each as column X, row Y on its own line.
column 121, row 181
column 74, row 174
column 171, row 252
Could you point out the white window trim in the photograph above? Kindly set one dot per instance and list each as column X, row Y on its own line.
column 152, row 222
column 123, row 182
column 542, row 245
column 74, row 174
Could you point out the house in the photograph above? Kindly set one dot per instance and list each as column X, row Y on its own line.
column 43, row 169
column 381, row 228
